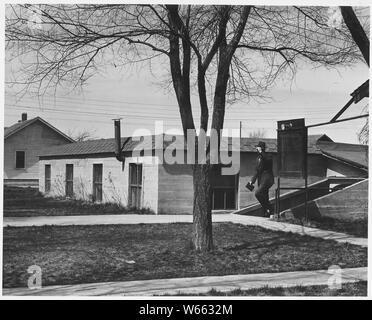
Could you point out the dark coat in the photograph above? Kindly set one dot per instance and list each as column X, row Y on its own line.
column 264, row 170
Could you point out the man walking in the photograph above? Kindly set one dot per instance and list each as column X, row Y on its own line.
column 265, row 178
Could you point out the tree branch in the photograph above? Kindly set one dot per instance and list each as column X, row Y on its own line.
column 357, row 31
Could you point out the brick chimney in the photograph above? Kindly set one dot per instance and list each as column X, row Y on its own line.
column 24, row 116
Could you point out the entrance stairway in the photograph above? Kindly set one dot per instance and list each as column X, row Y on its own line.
column 341, row 196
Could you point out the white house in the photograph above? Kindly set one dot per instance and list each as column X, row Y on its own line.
column 23, row 143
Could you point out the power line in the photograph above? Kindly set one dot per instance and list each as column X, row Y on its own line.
column 105, row 101
column 109, row 121
column 78, row 112
column 80, row 101
column 175, row 106
column 122, row 114
column 266, row 109
column 179, row 125
column 148, row 118
column 123, row 102
column 242, row 113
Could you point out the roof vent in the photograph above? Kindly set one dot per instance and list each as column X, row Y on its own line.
column 24, row 117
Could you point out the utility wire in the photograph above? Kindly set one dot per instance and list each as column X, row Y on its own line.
column 125, row 114
column 265, row 109
column 147, row 117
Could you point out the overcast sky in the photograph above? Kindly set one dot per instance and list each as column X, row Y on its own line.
column 315, row 94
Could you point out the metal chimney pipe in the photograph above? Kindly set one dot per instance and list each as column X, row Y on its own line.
column 24, row 116
column 117, row 139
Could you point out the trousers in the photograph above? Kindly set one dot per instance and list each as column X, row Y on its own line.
column 262, row 195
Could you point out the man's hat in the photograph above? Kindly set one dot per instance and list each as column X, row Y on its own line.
column 261, row 144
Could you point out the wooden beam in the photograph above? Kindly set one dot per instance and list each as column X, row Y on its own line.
column 337, row 121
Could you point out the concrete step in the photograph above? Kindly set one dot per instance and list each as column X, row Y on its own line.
column 296, row 198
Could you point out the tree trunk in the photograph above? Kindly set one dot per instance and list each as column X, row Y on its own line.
column 357, row 31
column 202, row 210
column 202, row 215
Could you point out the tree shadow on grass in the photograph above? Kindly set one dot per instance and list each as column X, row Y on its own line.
column 268, row 243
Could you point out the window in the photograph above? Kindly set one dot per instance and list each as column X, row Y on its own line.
column 97, row 182
column 135, row 185
column 20, row 159
column 47, row 178
column 69, row 180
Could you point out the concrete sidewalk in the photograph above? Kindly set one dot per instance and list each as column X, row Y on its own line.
column 137, row 219
column 288, row 227
column 194, row 285
column 99, row 219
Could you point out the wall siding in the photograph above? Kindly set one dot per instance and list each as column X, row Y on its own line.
column 32, row 140
column 114, row 179
column 175, row 189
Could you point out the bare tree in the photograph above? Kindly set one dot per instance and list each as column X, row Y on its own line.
column 82, row 135
column 260, row 133
column 363, row 135
column 222, row 52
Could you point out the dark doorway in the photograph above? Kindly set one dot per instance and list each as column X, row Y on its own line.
column 224, row 190
column 97, row 182
column 69, row 180
column 135, row 185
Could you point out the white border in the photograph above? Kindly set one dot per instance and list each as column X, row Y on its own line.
column 262, row 2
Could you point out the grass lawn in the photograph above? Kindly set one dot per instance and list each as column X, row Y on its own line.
column 348, row 290
column 28, row 202
column 84, row 254
column 358, row 228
